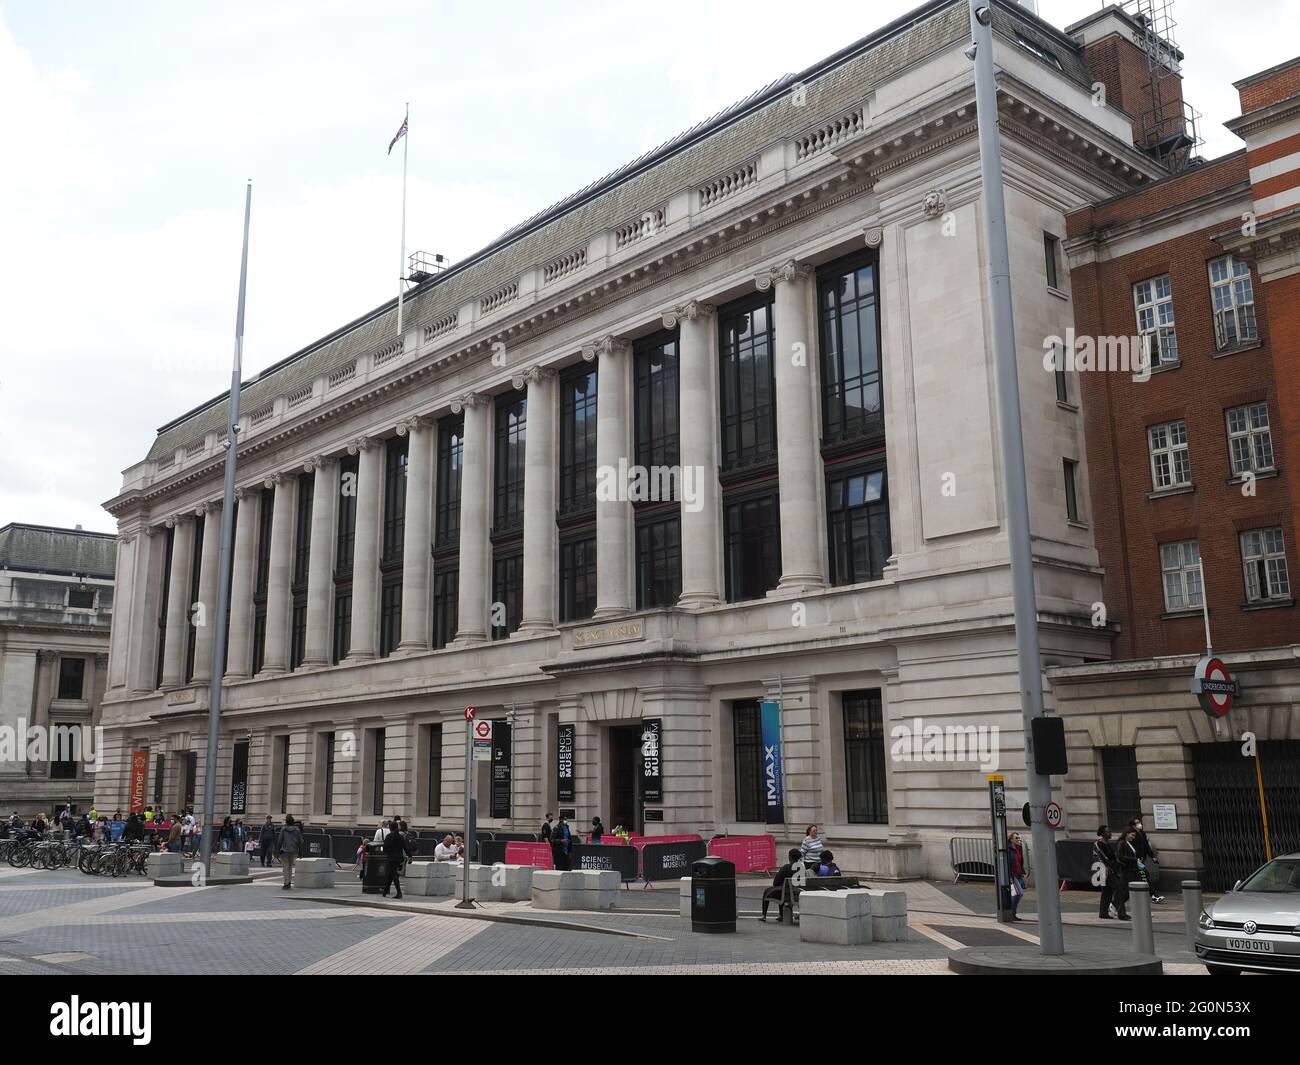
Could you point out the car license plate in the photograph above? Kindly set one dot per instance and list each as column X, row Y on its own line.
column 1256, row 946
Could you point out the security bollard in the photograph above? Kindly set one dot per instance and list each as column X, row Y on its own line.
column 1191, row 910
column 1144, row 940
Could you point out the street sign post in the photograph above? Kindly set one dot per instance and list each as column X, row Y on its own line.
column 465, row 902
column 1001, row 870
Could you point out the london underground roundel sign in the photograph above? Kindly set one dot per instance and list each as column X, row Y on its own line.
column 1214, row 687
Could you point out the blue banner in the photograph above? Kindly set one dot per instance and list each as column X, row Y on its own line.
column 773, row 787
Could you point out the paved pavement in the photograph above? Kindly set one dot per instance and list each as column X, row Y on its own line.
column 66, row 922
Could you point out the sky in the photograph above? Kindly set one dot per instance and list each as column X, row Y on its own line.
column 128, row 131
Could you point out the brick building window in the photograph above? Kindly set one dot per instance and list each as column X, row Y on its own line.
column 1171, row 461
column 1154, row 300
column 1180, row 569
column 1250, row 443
column 1263, row 553
column 1233, row 297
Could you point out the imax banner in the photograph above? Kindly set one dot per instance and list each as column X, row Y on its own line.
column 773, row 790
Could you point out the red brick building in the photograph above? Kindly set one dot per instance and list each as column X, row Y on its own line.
column 1195, row 470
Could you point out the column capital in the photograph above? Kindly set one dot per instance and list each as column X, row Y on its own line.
column 413, row 424
column 244, row 491
column 272, row 480
column 101, row 661
column 207, row 507
column 151, row 530
column 360, row 444
column 688, row 311
column 874, row 236
column 468, row 402
column 177, row 520
column 43, row 656
column 319, row 462
column 533, row 375
column 790, row 270
column 607, row 346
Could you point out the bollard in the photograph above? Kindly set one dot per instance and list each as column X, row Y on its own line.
column 1191, row 910
column 1144, row 941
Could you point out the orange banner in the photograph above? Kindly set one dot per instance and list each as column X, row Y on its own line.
column 139, row 774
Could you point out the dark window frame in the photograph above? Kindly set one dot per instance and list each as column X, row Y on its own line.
column 78, row 667
column 839, row 429
column 301, row 568
column 735, row 373
column 747, row 760
column 345, row 540
column 577, row 474
column 840, row 520
column 865, row 754
column 577, row 564
column 262, row 576
column 741, row 528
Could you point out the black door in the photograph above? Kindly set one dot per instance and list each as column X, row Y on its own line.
column 1227, row 803
column 625, row 761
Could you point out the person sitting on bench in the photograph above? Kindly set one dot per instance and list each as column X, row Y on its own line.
column 826, row 865
column 778, row 885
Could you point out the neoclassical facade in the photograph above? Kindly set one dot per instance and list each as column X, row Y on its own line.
column 716, row 431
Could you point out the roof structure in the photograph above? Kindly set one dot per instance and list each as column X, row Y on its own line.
column 66, row 552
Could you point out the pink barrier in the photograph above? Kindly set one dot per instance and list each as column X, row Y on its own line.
column 609, row 841
column 749, row 854
column 538, row 855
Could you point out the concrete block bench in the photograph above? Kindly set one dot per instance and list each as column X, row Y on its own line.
column 313, row 873
column 575, row 889
column 853, row 916
column 165, row 864
column 516, row 882
column 684, row 898
column 229, row 863
column 430, row 878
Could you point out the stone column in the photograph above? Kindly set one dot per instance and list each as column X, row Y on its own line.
column 800, row 466
column 613, row 456
column 320, row 567
column 697, row 372
column 275, row 654
column 124, row 609
column 146, row 590
column 239, row 647
column 474, row 479
column 206, row 620
column 417, row 541
column 45, row 691
column 539, row 501
column 178, row 601
column 365, row 565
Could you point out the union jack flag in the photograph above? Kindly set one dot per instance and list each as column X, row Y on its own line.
column 397, row 137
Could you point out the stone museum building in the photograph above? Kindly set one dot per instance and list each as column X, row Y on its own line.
column 716, row 431
column 56, row 602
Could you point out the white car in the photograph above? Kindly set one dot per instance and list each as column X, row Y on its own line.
column 1256, row 926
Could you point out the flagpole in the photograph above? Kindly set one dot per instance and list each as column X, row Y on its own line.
column 401, row 263
column 223, row 569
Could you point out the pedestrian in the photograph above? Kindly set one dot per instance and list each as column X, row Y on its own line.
column 1128, row 869
column 826, row 865
column 1018, row 869
column 174, row 836
column 1147, row 865
column 266, row 840
column 597, row 830
column 1114, row 893
column 811, row 847
column 382, row 831
column 561, row 843
column 363, row 849
column 777, row 890
column 396, row 850
column 446, row 850
column 545, row 832
column 289, row 845
column 227, row 835
column 241, row 834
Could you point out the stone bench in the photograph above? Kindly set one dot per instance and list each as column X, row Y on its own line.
column 684, row 898
column 313, row 873
column 431, row 878
column 229, row 863
column 165, row 864
column 852, row 917
column 575, row 889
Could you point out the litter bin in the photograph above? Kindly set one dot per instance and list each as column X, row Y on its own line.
column 713, row 895
column 374, row 874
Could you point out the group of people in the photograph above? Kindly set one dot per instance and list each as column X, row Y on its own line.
column 1121, row 862
column 394, row 837
column 561, row 837
column 811, row 858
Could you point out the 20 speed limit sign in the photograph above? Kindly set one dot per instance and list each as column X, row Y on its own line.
column 1052, row 815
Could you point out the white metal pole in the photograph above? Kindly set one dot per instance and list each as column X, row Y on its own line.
column 1205, row 607
column 401, row 262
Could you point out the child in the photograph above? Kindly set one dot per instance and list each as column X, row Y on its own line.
column 826, row 865
column 362, row 851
